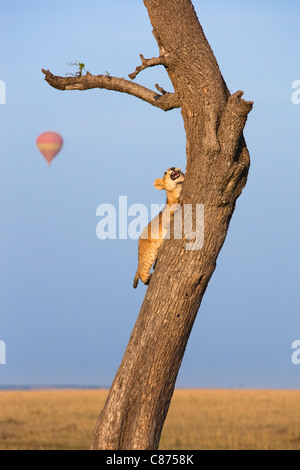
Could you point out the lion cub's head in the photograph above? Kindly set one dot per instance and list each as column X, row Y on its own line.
column 171, row 181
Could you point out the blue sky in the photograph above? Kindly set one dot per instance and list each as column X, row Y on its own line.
column 67, row 305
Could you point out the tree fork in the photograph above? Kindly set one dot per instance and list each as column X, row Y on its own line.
column 217, row 167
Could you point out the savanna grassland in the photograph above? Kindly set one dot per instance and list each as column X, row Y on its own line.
column 198, row 419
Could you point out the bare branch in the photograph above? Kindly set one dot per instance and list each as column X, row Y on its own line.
column 146, row 63
column 166, row 102
column 232, row 125
column 160, row 89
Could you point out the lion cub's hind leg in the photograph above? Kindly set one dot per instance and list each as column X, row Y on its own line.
column 148, row 250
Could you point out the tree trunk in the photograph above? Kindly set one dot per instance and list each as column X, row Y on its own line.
column 217, row 168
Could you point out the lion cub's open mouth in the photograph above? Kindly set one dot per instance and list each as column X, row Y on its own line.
column 174, row 175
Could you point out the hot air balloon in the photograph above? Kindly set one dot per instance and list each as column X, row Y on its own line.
column 49, row 144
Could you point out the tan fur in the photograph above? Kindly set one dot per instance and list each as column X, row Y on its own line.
column 153, row 235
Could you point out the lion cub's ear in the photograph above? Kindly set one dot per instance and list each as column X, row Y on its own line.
column 159, row 183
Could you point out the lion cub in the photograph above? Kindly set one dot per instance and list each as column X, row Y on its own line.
column 153, row 235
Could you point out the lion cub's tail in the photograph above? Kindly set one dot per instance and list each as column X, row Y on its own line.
column 136, row 279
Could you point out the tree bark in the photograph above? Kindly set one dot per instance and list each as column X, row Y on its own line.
column 216, row 173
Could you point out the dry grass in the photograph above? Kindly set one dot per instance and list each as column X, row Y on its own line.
column 54, row 419
column 198, row 419
column 233, row 419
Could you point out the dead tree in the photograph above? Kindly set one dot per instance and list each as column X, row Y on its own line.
column 217, row 168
